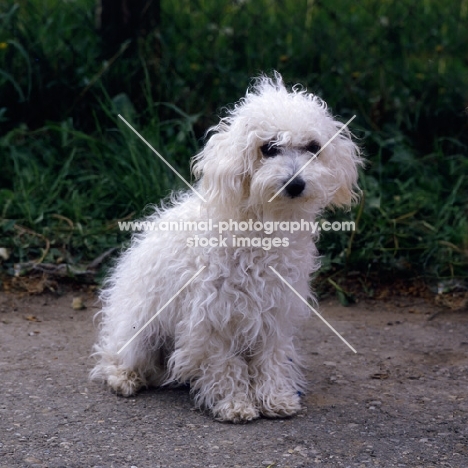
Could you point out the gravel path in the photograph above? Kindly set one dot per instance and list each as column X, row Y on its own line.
column 402, row 401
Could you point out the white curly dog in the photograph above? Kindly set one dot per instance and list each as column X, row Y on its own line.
column 230, row 332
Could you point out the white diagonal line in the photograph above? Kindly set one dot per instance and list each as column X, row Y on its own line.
column 312, row 309
column 161, row 158
column 161, row 309
column 311, row 159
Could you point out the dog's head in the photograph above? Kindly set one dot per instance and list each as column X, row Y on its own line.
column 273, row 152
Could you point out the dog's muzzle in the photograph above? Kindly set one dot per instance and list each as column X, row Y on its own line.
column 295, row 187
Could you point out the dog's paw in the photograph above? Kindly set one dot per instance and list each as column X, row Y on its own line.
column 124, row 382
column 235, row 410
column 280, row 406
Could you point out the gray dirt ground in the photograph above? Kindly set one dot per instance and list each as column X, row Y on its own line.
column 402, row 401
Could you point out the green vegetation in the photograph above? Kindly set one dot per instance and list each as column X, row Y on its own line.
column 71, row 168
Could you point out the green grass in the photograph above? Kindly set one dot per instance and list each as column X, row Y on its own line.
column 69, row 187
column 71, row 168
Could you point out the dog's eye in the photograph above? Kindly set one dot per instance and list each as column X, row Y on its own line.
column 313, row 147
column 269, row 150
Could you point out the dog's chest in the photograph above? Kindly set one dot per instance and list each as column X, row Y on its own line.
column 252, row 282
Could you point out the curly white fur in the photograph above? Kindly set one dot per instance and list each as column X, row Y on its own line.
column 230, row 333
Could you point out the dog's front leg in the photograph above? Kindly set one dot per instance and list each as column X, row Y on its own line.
column 218, row 378
column 276, row 380
column 224, row 387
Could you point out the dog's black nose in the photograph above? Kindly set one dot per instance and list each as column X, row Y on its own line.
column 295, row 187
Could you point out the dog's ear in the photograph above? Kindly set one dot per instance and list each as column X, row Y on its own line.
column 348, row 161
column 222, row 169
